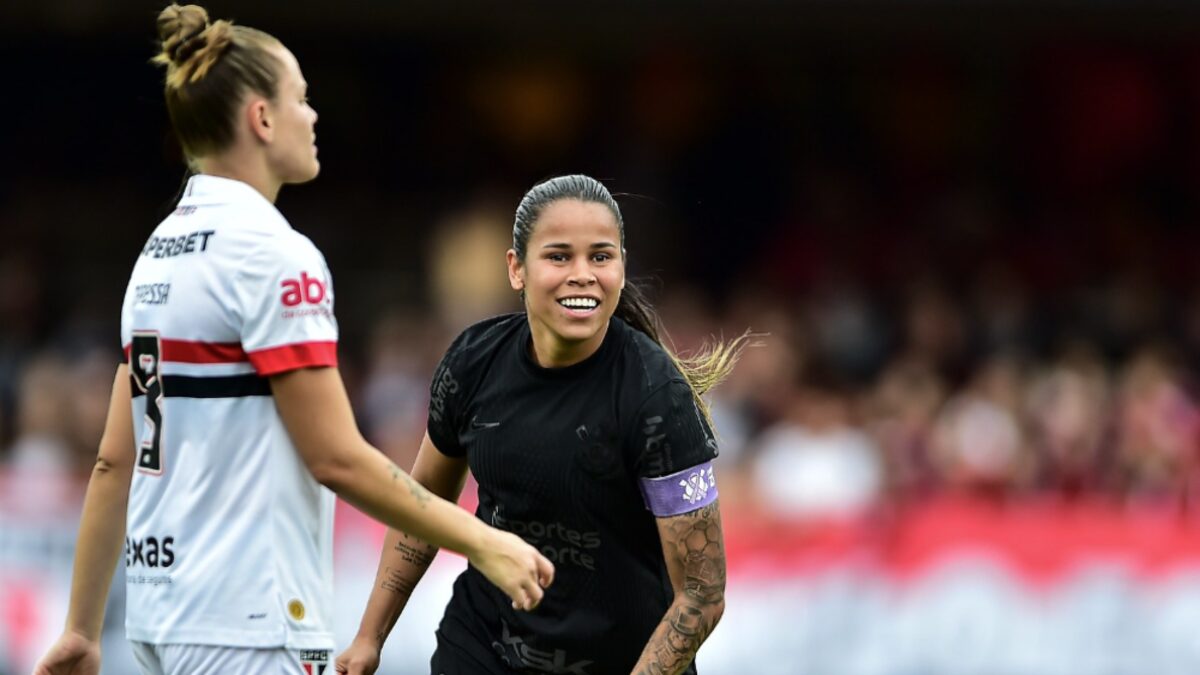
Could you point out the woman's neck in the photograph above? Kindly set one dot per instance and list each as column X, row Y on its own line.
column 245, row 169
column 550, row 351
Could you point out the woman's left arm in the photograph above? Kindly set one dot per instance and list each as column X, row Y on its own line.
column 694, row 549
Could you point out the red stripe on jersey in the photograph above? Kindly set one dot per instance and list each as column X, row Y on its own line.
column 190, row 351
column 292, row 357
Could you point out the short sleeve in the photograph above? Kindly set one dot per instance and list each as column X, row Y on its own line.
column 286, row 294
column 445, row 404
column 675, row 449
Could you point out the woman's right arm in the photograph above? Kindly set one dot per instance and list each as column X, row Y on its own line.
column 101, row 536
column 316, row 411
column 404, row 560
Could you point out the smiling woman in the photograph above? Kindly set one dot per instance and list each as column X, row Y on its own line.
column 589, row 439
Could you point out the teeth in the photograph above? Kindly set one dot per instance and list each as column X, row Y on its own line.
column 578, row 303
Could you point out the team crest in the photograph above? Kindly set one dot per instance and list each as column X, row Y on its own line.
column 314, row 661
column 696, row 486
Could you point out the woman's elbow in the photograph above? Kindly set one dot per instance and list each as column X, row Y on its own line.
column 331, row 466
column 715, row 610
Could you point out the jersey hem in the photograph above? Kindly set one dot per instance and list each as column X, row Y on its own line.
column 227, row 638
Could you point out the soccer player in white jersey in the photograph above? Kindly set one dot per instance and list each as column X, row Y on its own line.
column 212, row 483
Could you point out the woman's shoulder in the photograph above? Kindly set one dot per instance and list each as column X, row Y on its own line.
column 648, row 362
column 486, row 335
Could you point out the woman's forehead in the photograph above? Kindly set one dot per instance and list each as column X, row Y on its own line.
column 571, row 217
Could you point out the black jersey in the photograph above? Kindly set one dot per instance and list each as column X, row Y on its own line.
column 558, row 455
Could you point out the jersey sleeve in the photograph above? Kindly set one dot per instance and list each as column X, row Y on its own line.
column 446, row 403
column 286, row 294
column 675, row 448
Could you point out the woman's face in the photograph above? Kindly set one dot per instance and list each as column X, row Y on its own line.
column 292, row 152
column 572, row 275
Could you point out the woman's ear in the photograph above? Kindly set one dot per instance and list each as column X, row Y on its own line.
column 258, row 115
column 516, row 271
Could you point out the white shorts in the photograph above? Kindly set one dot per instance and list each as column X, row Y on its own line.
column 217, row 660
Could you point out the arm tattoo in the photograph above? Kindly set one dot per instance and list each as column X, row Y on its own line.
column 696, row 540
column 415, row 553
column 418, row 492
column 395, row 581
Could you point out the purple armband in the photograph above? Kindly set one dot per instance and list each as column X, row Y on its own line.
column 680, row 492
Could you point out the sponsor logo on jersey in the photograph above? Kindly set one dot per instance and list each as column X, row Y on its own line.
column 558, row 542
column 149, row 551
column 169, row 247
column 444, row 385
column 306, row 289
column 476, row 423
column 296, row 609
column 657, row 446
column 515, row 652
column 696, row 485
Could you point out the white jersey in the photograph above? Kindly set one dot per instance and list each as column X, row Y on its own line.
column 229, row 538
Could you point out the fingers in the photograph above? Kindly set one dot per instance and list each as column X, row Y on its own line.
column 545, row 571
column 354, row 664
column 542, row 575
column 527, row 596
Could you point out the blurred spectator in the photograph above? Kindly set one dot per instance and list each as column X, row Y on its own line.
column 816, row 463
column 1068, row 408
column 43, row 467
column 395, row 390
column 901, row 411
column 935, row 328
column 979, row 441
column 1158, row 430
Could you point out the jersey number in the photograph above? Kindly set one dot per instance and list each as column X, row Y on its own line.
column 145, row 365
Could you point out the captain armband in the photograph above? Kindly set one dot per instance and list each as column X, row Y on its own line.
column 680, row 492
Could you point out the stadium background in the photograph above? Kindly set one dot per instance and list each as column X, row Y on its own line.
column 969, row 442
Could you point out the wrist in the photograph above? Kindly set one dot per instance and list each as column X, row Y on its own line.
column 478, row 539
column 84, row 630
column 371, row 638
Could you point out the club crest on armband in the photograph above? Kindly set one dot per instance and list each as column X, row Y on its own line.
column 696, row 485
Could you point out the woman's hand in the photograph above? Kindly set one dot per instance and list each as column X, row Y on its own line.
column 514, row 567
column 73, row 654
column 360, row 658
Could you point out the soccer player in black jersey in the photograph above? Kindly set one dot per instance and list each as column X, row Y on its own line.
column 589, row 439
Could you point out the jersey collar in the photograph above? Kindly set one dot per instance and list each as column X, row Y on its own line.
column 205, row 189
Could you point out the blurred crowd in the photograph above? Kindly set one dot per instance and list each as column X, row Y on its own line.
column 968, row 266
column 840, row 405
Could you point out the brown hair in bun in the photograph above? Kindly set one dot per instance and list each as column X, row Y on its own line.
column 210, row 67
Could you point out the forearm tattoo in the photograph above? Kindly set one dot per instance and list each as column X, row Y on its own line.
column 396, row 581
column 696, row 541
column 415, row 551
column 417, row 554
column 416, row 489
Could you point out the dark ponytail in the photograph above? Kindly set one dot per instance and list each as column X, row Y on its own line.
column 703, row 370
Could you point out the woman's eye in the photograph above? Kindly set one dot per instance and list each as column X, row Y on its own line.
column 557, row 257
column 602, row 257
